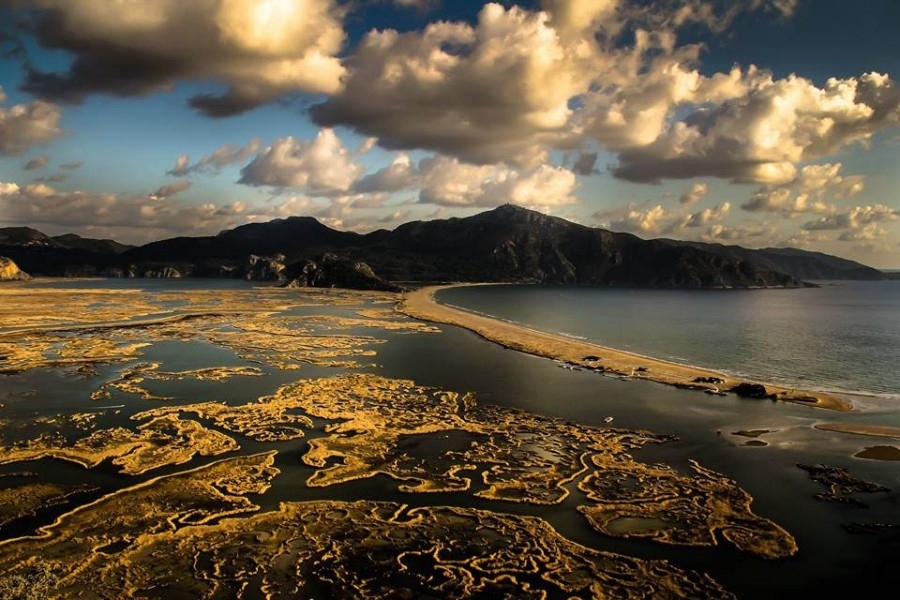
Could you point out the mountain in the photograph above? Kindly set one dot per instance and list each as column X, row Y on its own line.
column 802, row 264
column 76, row 242
column 24, row 236
column 68, row 254
column 511, row 243
column 506, row 244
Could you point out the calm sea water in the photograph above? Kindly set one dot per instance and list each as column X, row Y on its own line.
column 842, row 336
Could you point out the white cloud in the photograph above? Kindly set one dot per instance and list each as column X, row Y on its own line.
column 856, row 218
column 215, row 162
column 707, row 216
column 756, row 234
column 400, row 174
column 25, row 125
column 693, row 195
column 496, row 91
column 807, row 192
column 320, row 167
column 260, row 50
column 170, row 189
column 658, row 220
column 760, row 135
column 136, row 218
column 449, row 182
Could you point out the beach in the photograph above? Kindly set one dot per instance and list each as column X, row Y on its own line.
column 421, row 304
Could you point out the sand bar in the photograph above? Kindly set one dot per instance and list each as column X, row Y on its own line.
column 887, row 431
column 421, row 304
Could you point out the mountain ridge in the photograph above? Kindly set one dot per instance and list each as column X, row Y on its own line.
column 505, row 244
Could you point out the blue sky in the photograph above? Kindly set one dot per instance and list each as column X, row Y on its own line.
column 750, row 122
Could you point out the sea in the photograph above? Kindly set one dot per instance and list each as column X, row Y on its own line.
column 840, row 336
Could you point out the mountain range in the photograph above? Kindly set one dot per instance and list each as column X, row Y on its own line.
column 506, row 244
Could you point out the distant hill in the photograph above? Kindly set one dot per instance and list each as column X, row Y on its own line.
column 506, row 244
column 802, row 264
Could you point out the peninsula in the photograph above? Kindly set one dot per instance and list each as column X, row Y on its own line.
column 421, row 304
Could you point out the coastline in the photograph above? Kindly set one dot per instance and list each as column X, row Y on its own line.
column 421, row 304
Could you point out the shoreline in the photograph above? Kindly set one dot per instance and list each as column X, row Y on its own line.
column 421, row 304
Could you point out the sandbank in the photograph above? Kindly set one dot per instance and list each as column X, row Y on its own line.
column 421, row 304
column 861, row 429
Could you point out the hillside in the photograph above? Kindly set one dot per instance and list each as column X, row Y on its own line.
column 506, row 244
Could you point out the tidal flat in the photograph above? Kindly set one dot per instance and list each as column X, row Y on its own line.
column 258, row 442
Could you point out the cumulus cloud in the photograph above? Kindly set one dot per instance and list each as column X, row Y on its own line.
column 134, row 218
column 856, row 218
column 807, row 192
column 759, row 135
column 449, row 182
column 707, row 216
column 497, row 90
column 400, row 174
column 757, row 234
column 170, row 189
column 658, row 220
column 322, row 166
column 260, row 50
column 215, row 162
column 693, row 195
column 38, row 162
column 25, row 125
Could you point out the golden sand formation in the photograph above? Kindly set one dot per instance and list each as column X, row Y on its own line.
column 382, row 550
column 520, row 457
column 162, row 441
column 171, row 532
column 887, row 431
column 76, row 548
column 422, row 305
column 24, row 500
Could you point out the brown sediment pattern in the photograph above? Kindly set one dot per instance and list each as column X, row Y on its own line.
column 24, row 500
column 350, row 550
column 98, row 329
column 422, row 305
column 130, row 380
column 164, row 440
column 520, row 457
column 656, row 502
column 78, row 545
column 887, row 431
column 191, row 534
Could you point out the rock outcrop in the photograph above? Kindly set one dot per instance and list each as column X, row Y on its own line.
column 10, row 271
column 331, row 270
column 265, row 268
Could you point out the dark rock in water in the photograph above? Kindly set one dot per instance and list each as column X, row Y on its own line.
column 751, row 390
column 708, row 380
column 841, row 484
column 333, row 271
column 10, row 271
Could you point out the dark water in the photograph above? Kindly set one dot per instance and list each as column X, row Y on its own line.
column 840, row 336
column 830, row 559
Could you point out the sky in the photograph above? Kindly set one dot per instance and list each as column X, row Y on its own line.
column 759, row 123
